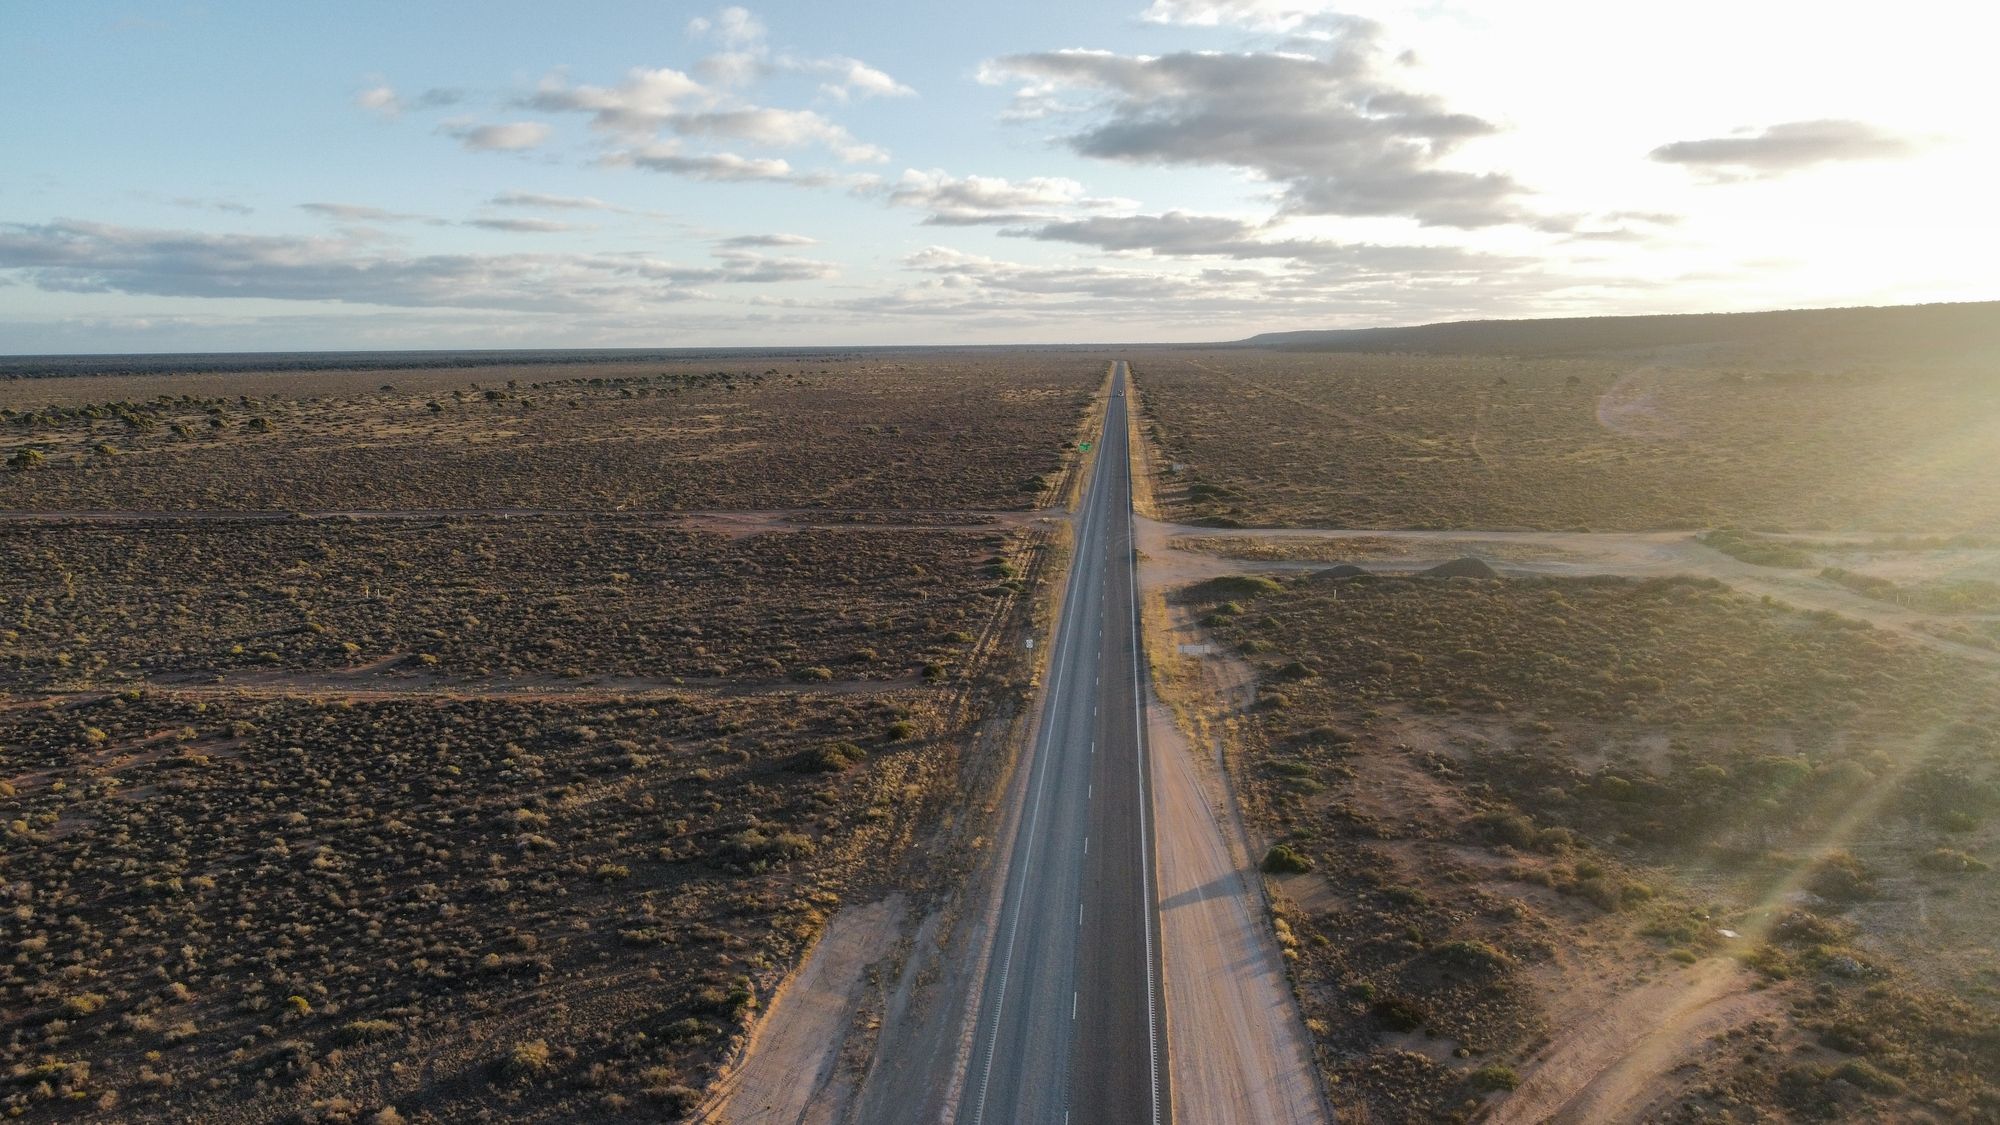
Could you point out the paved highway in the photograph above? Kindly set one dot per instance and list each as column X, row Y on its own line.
column 1070, row 1027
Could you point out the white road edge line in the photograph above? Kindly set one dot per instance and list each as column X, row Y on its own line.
column 1145, row 798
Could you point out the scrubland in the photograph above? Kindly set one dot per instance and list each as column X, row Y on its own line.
column 1614, row 848
column 541, row 597
column 1642, row 849
column 311, row 908
column 940, row 432
column 511, row 784
column 1596, row 443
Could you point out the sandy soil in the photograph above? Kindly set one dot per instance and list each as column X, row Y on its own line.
column 788, row 1072
column 1240, row 1054
column 1608, row 1064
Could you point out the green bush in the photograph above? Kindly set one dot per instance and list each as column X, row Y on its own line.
column 1472, row 957
column 1282, row 860
column 1494, row 1076
column 1397, row 1014
column 1756, row 550
column 1841, row 878
column 1951, row 861
column 833, row 758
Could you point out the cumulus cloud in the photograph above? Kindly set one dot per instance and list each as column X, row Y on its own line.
column 82, row 257
column 777, row 128
column 642, row 103
column 649, row 102
column 512, row 136
column 971, row 200
column 746, row 57
column 1331, row 124
column 1788, row 147
column 847, row 77
column 733, row 26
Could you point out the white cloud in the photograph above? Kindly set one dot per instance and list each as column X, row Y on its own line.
column 777, row 128
column 382, row 98
column 1788, row 147
column 852, row 77
column 1262, row 15
column 642, row 103
column 512, row 136
column 656, row 101
column 721, row 166
column 733, row 26
column 968, row 200
column 1333, row 126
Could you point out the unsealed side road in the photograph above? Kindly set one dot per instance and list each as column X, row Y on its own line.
column 1070, row 1026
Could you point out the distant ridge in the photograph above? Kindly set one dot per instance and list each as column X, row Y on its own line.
column 1801, row 335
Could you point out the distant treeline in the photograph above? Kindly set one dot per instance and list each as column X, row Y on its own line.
column 1943, row 331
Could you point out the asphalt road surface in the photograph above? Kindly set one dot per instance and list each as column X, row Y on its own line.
column 1070, row 1025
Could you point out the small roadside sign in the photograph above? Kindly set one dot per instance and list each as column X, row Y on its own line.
column 1084, row 446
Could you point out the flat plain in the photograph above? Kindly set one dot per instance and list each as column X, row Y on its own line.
column 486, row 743
column 1679, row 798
column 494, row 742
column 1279, row 439
column 916, row 431
column 1522, row 800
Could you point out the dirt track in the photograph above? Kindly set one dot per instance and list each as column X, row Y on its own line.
column 1576, row 554
column 788, row 1073
column 1605, row 1066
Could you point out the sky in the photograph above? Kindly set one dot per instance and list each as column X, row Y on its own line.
column 256, row 176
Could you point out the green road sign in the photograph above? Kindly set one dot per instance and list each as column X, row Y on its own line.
column 1083, row 445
